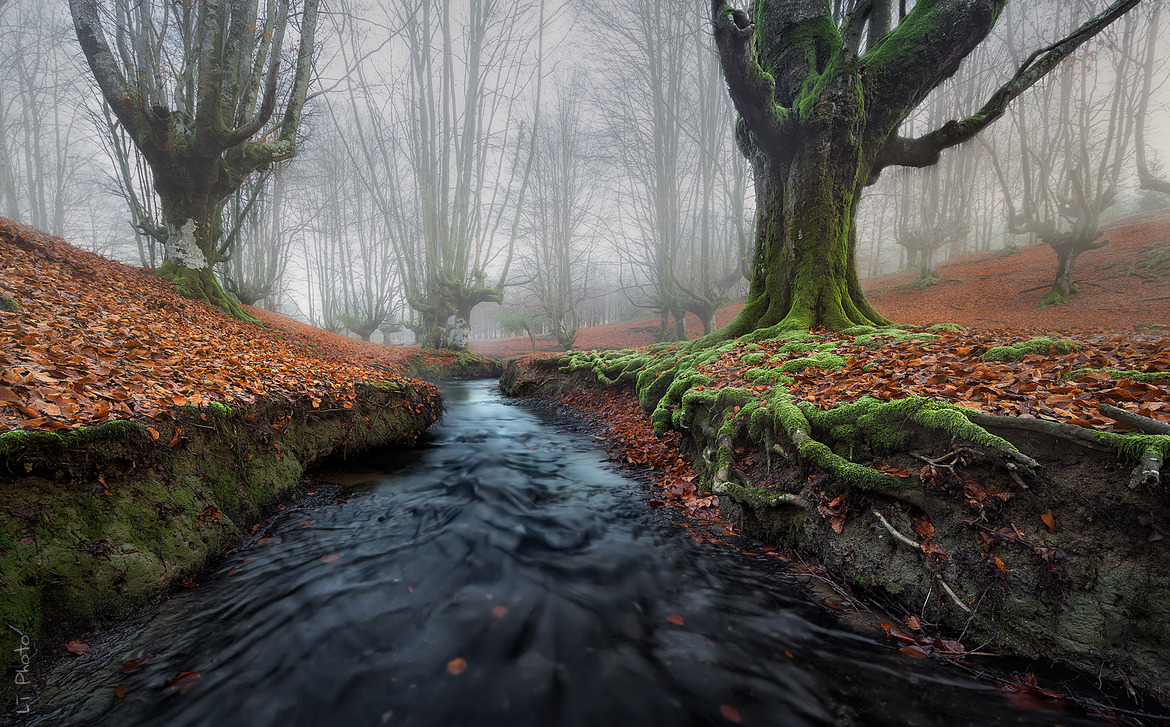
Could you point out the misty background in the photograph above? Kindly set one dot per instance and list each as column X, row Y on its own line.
column 552, row 165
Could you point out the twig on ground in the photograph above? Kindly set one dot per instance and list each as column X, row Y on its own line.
column 953, row 595
column 897, row 535
column 1149, row 470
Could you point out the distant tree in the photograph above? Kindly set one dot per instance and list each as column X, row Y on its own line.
column 821, row 97
column 196, row 86
column 41, row 134
column 520, row 323
column 1074, row 140
column 1146, row 177
column 559, row 216
column 258, row 240
column 448, row 161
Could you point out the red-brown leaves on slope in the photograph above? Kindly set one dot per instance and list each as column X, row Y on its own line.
column 96, row 340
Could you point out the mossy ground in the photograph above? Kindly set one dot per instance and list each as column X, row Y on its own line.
column 99, row 521
column 1090, row 593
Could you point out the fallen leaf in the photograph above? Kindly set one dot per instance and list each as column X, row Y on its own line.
column 729, row 713
column 331, row 558
column 1049, row 521
column 675, row 619
column 455, row 667
column 77, row 647
column 121, row 690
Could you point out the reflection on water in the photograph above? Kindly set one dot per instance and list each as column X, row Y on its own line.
column 504, row 574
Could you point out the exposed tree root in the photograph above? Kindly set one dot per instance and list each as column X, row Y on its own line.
column 202, row 285
column 1006, row 524
column 1137, row 421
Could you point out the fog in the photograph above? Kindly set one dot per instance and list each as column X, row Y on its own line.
column 479, row 169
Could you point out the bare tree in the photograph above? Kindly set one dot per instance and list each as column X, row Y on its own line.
column 645, row 113
column 41, row 158
column 257, row 243
column 196, row 86
column 559, row 217
column 1073, row 138
column 1149, row 67
column 444, row 156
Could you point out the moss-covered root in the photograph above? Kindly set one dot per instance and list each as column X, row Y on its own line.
column 8, row 304
column 201, row 285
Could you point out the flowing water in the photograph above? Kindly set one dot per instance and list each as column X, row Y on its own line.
column 504, row 573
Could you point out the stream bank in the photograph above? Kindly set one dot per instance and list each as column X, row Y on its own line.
column 100, row 521
column 1060, row 561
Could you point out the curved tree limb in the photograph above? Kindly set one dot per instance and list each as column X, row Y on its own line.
column 925, row 150
column 1137, row 421
column 752, row 89
column 118, row 91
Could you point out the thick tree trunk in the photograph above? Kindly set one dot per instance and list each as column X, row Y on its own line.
column 1063, row 288
column 804, row 273
column 193, row 220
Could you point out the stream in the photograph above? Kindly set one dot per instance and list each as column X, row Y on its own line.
column 503, row 573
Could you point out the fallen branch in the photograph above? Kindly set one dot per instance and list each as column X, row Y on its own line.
column 1149, row 470
column 897, row 535
column 1137, row 421
column 1062, row 430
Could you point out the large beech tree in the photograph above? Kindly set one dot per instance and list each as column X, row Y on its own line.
column 196, row 86
column 821, row 95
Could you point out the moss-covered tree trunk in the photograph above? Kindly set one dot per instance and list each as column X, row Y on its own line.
column 804, row 273
column 203, row 119
column 1064, row 287
column 193, row 215
column 820, row 99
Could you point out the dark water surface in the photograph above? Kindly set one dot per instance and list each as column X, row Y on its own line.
column 513, row 546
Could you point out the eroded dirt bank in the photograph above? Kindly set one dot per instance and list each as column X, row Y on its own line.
column 143, row 434
column 1026, row 538
column 103, row 520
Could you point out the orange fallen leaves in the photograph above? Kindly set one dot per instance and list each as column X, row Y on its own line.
column 97, row 340
column 730, row 713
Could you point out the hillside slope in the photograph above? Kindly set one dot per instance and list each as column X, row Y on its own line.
column 143, row 434
column 979, row 291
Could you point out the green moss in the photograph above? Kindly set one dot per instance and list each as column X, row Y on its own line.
column 795, row 347
column 752, row 359
column 894, row 335
column 202, row 285
column 8, row 304
column 1040, row 346
column 101, row 520
column 820, row 360
column 1132, row 446
column 954, row 327
column 773, row 376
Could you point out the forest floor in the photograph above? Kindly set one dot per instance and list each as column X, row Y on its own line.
column 1121, row 284
column 143, row 434
column 971, row 482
